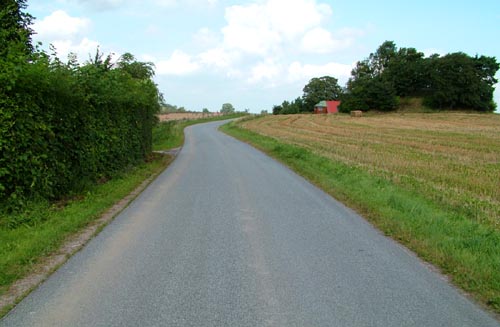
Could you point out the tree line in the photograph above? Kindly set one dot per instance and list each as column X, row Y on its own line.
column 453, row 81
column 64, row 125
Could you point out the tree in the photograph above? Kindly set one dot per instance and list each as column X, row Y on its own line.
column 98, row 62
column 458, row 81
column 136, row 69
column 227, row 108
column 369, row 94
column 293, row 107
column 277, row 109
column 206, row 111
column 381, row 59
column 287, row 107
column 319, row 89
column 15, row 31
column 372, row 82
column 406, row 72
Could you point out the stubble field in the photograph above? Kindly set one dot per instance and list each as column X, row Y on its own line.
column 430, row 181
column 450, row 158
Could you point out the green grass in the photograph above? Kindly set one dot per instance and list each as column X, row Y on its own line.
column 464, row 249
column 46, row 225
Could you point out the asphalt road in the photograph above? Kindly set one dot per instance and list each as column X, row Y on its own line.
column 228, row 237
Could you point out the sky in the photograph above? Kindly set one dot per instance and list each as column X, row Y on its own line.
column 256, row 53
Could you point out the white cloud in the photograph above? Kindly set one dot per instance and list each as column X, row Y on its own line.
column 263, row 42
column 267, row 70
column 293, row 18
column 261, row 27
column 179, row 63
column 320, row 40
column 218, row 58
column 248, row 30
column 82, row 49
column 66, row 34
column 59, row 25
column 302, row 72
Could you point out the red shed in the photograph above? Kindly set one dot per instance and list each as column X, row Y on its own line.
column 327, row 107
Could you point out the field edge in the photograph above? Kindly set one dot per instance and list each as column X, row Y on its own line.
column 387, row 217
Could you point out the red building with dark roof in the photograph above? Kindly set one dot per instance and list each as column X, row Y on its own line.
column 327, row 107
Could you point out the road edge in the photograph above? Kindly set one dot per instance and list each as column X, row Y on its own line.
column 447, row 278
column 74, row 243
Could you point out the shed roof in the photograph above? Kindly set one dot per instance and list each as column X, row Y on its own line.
column 321, row 104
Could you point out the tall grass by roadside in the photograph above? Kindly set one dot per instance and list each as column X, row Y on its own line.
column 468, row 250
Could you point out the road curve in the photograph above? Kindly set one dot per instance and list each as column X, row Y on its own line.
column 226, row 236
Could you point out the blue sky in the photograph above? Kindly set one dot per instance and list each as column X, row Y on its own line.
column 255, row 54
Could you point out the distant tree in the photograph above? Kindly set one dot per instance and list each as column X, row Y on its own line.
column 287, row 107
column 377, row 82
column 227, row 108
column 277, row 109
column 458, row 81
column 168, row 108
column 264, row 112
column 136, row 69
column 369, row 94
column 380, row 60
column 371, row 86
column 298, row 103
column 406, row 71
column 319, row 89
column 206, row 111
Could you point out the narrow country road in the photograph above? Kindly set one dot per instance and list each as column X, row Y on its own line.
column 228, row 237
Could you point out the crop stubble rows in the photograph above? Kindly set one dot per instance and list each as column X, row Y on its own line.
column 450, row 158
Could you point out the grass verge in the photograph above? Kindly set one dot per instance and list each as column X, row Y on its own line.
column 48, row 225
column 466, row 250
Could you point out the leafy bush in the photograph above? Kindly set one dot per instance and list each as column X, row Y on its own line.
column 65, row 125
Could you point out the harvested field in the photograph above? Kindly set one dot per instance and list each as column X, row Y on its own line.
column 450, row 158
column 187, row 115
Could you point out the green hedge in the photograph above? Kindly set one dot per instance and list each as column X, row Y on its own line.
column 65, row 125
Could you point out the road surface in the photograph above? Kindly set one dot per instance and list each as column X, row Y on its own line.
column 228, row 237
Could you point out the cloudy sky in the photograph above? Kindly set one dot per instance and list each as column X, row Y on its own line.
column 257, row 53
